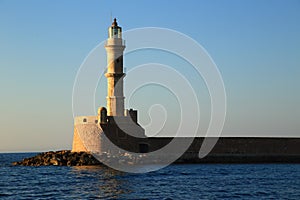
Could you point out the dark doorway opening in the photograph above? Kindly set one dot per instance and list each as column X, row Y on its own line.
column 143, row 148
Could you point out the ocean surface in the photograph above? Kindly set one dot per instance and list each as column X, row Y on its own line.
column 180, row 181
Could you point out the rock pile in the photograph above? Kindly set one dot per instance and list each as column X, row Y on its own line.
column 68, row 158
column 60, row 158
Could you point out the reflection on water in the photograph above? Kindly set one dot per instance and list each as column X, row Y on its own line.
column 109, row 181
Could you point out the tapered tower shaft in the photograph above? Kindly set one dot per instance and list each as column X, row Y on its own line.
column 114, row 49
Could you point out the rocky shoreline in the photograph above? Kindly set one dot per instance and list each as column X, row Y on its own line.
column 59, row 158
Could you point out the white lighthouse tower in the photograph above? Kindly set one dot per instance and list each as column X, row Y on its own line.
column 115, row 48
column 120, row 126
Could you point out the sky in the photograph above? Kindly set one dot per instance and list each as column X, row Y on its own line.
column 255, row 44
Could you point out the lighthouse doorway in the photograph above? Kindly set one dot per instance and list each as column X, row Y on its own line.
column 143, row 148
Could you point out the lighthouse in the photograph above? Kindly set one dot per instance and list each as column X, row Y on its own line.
column 115, row 46
column 114, row 123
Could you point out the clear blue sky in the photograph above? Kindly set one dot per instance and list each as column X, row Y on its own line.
column 256, row 45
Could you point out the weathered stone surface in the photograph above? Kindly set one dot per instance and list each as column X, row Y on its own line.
column 59, row 158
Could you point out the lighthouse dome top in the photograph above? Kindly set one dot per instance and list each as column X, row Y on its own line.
column 115, row 31
column 114, row 22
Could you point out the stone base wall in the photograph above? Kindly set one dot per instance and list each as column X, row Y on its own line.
column 87, row 137
column 86, row 132
column 77, row 143
column 91, row 134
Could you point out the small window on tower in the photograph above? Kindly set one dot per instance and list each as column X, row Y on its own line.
column 118, row 60
column 84, row 120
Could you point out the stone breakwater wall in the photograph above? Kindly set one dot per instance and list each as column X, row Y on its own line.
column 59, row 158
column 227, row 150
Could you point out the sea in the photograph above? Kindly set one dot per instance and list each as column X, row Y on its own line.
column 177, row 181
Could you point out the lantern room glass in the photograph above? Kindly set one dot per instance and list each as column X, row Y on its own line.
column 115, row 32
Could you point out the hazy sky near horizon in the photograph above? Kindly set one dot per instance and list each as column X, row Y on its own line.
column 255, row 44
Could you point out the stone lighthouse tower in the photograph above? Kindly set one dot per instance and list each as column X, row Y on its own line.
column 114, row 123
column 115, row 48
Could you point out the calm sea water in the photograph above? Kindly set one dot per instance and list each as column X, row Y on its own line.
column 191, row 181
